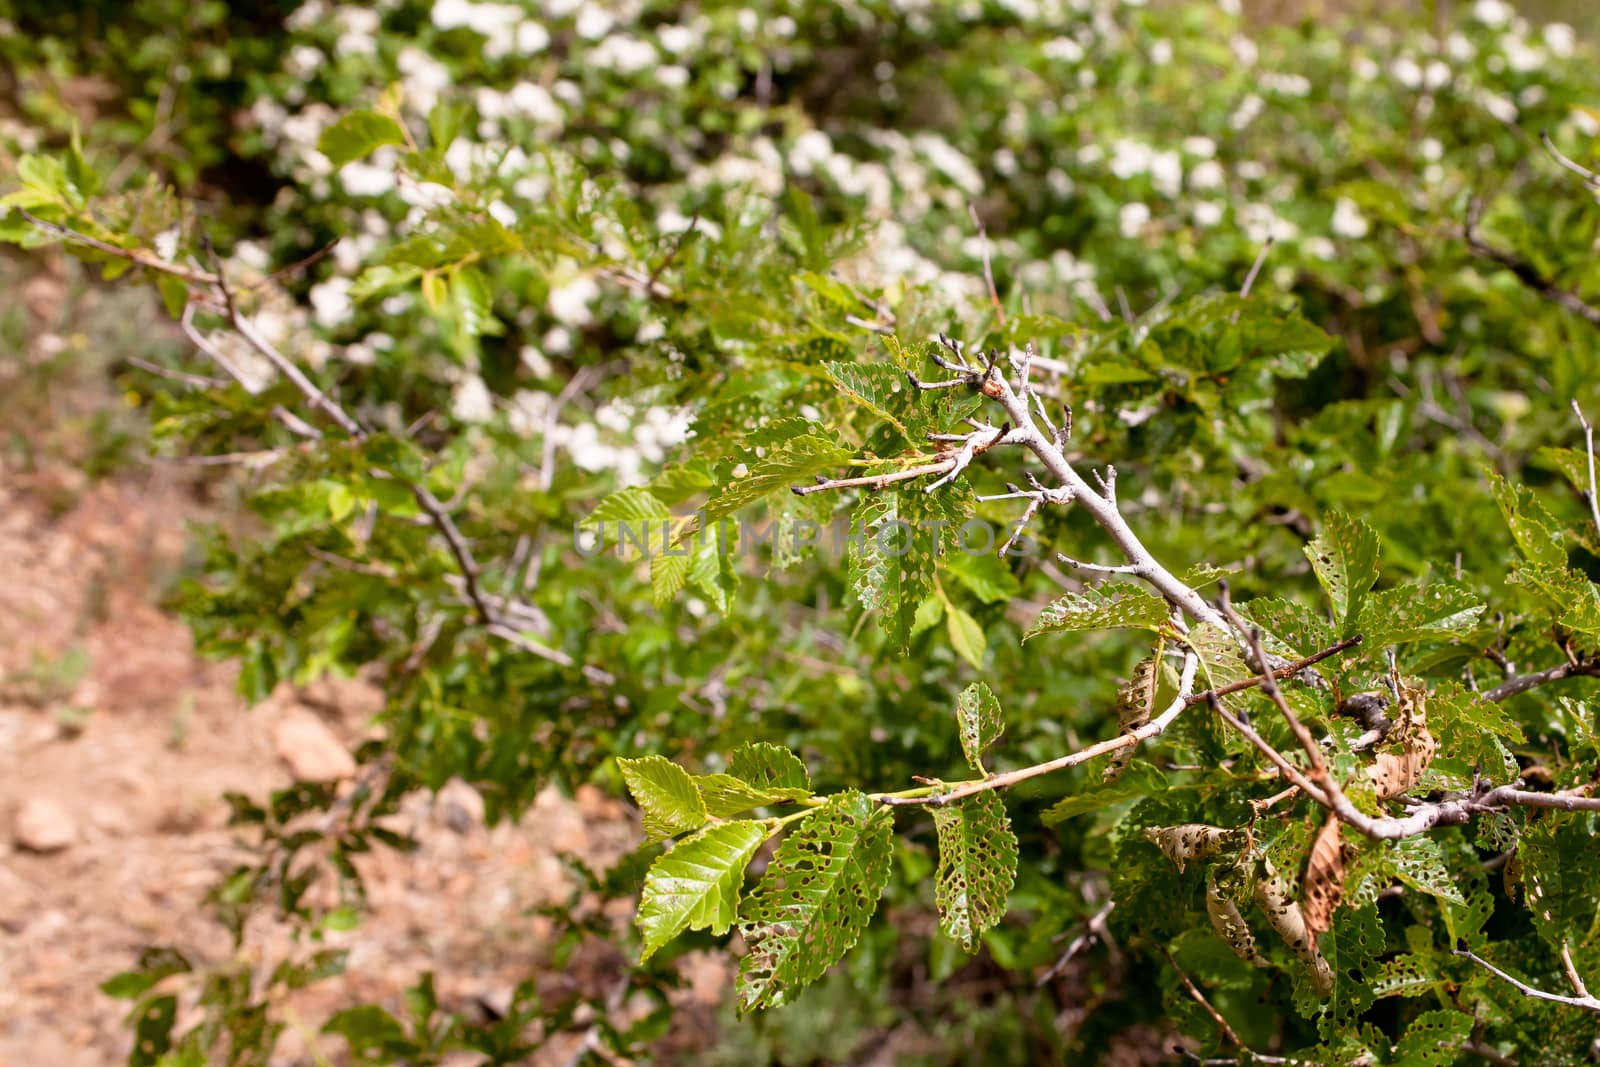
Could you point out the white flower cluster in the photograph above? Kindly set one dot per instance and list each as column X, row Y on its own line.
column 619, row 438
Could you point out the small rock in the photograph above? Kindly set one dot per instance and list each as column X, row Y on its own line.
column 460, row 806
column 43, row 826
column 310, row 749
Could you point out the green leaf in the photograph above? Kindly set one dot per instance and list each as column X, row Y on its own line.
column 374, row 281
column 1419, row 862
column 1221, row 661
column 473, row 303
column 1561, row 876
column 980, row 720
column 815, row 900
column 769, row 766
column 875, row 386
column 666, row 794
column 727, row 794
column 1142, row 779
column 1472, row 734
column 373, row 1034
column 81, row 176
column 1536, row 532
column 174, row 294
column 155, row 964
column 977, row 866
column 1419, row 612
column 985, row 575
column 696, row 885
column 795, row 462
column 891, row 567
column 1345, row 558
column 669, row 573
column 712, row 569
column 1434, row 1039
column 966, row 636
column 1291, row 628
column 152, row 1030
column 1114, row 605
column 357, row 135
column 631, row 505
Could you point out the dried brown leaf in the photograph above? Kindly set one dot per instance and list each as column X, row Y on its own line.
column 1323, row 885
column 1190, row 841
column 1285, row 917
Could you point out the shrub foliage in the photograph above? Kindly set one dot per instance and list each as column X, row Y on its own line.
column 1113, row 482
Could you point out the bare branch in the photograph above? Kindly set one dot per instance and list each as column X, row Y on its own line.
column 1583, row 1000
column 137, row 256
column 1588, row 449
column 1124, row 568
column 194, row 381
column 988, row 269
column 1154, row 728
column 1589, row 667
column 1590, row 178
column 286, row 367
column 1322, row 788
column 1525, row 272
column 1094, row 928
column 1216, row 1016
column 1255, row 268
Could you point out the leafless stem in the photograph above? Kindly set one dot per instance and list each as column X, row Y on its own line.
column 138, row 256
column 1521, row 683
column 1255, row 268
column 284, row 366
column 194, row 381
column 988, row 269
column 1590, row 178
column 1216, row 1016
column 1325, row 790
column 1101, row 505
column 1582, row 1000
column 1094, row 928
column 1588, row 449
column 1525, row 272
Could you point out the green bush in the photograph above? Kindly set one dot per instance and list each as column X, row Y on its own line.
column 1273, row 337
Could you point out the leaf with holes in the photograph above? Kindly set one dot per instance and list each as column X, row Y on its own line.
column 980, row 720
column 1434, row 1038
column 1419, row 862
column 1323, row 884
column 783, row 468
column 1561, row 876
column 769, row 766
column 1224, row 887
column 665, row 794
column 1136, row 703
column 1289, row 628
column 891, row 566
column 1345, row 558
column 1537, row 534
column 1221, row 661
column 1112, row 606
column 1191, row 842
column 1289, row 922
column 696, row 885
column 878, row 387
column 977, row 866
column 815, row 899
column 1419, row 612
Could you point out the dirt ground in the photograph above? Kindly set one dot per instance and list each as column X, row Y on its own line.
column 129, row 739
